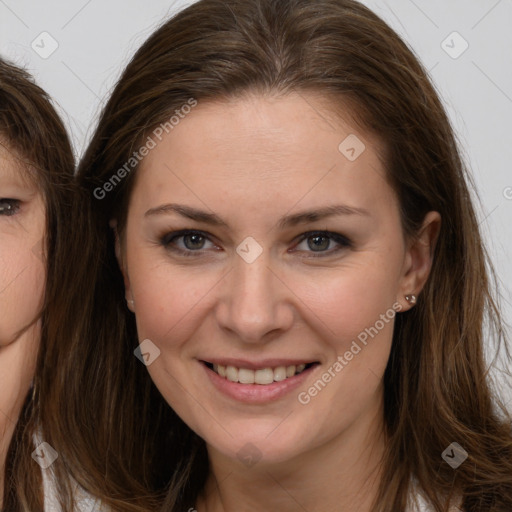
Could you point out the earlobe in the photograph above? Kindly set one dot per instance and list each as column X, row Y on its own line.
column 131, row 305
column 419, row 259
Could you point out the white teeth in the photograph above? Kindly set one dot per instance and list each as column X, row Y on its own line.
column 245, row 376
column 280, row 373
column 232, row 373
column 263, row 376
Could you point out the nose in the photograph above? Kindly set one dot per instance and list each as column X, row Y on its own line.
column 256, row 305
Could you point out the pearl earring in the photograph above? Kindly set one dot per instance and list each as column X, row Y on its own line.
column 411, row 299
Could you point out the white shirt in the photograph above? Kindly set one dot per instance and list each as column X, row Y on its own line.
column 418, row 503
column 45, row 455
column 84, row 502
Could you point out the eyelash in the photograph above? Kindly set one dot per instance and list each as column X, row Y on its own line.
column 13, row 206
column 169, row 238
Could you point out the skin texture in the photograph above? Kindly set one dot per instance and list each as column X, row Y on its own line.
column 22, row 280
column 252, row 161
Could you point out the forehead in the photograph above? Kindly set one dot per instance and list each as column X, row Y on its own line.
column 259, row 137
column 257, row 159
column 14, row 168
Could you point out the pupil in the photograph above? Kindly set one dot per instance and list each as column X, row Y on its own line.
column 316, row 238
column 195, row 239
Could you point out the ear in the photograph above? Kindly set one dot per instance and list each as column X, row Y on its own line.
column 419, row 258
column 121, row 262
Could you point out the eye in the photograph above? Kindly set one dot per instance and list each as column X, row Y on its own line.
column 320, row 241
column 191, row 242
column 9, row 207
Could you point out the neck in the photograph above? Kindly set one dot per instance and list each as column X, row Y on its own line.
column 341, row 474
column 17, row 366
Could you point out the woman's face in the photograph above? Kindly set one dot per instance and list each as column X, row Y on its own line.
column 232, row 281
column 22, row 279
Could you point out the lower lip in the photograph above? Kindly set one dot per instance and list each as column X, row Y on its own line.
column 257, row 393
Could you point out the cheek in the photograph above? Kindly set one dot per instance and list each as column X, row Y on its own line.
column 348, row 299
column 356, row 317
column 22, row 282
column 167, row 299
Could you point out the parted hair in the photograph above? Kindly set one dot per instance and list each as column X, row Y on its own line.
column 115, row 434
column 34, row 134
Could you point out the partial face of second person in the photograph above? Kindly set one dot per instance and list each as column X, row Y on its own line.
column 239, row 286
column 22, row 279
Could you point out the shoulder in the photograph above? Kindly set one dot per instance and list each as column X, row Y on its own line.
column 417, row 502
column 83, row 501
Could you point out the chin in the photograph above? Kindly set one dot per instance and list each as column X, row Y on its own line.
column 260, row 444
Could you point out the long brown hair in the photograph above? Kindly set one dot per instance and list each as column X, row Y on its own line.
column 33, row 132
column 115, row 434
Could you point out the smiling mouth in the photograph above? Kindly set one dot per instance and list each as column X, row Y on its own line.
column 263, row 376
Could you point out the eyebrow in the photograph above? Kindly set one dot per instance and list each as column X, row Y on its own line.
column 286, row 221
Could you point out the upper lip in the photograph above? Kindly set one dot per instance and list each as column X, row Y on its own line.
column 256, row 365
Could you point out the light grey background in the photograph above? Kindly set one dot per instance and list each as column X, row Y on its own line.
column 96, row 38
